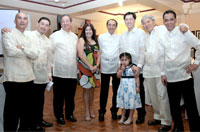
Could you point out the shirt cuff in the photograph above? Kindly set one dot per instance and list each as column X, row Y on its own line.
column 162, row 73
column 196, row 62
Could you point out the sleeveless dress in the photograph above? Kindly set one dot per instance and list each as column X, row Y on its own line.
column 127, row 97
column 87, row 79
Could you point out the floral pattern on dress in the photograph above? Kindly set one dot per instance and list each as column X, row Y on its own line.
column 127, row 97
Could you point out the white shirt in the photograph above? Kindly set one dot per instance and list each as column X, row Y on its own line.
column 151, row 67
column 109, row 49
column 17, row 62
column 175, row 54
column 64, row 54
column 133, row 42
column 42, row 65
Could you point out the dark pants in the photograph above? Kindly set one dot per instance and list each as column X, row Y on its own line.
column 39, row 90
column 105, row 83
column 18, row 106
column 64, row 91
column 141, row 111
column 186, row 89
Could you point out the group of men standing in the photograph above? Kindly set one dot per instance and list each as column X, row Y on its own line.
column 162, row 58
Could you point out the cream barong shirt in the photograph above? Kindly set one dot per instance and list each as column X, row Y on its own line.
column 18, row 62
column 175, row 54
column 42, row 65
column 133, row 42
column 64, row 54
column 151, row 66
column 109, row 49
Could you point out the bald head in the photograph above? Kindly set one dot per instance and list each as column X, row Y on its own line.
column 21, row 21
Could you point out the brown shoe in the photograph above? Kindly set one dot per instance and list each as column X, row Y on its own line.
column 154, row 122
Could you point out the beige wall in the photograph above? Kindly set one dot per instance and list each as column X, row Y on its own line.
column 193, row 21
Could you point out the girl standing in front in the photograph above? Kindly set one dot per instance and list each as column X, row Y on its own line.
column 128, row 97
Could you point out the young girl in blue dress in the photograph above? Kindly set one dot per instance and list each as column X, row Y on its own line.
column 128, row 97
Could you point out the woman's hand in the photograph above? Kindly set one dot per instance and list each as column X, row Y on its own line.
column 93, row 68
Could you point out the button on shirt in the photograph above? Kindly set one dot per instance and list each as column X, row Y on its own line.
column 109, row 48
column 133, row 42
column 64, row 54
column 151, row 67
column 42, row 65
column 18, row 62
column 175, row 54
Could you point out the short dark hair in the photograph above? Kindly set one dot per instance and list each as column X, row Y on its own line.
column 130, row 13
column 44, row 18
column 126, row 54
column 112, row 20
column 169, row 12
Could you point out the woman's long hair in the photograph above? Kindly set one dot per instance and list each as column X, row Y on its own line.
column 93, row 35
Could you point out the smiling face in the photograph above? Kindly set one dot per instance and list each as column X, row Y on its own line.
column 129, row 21
column 125, row 61
column 148, row 24
column 111, row 26
column 21, row 21
column 88, row 32
column 43, row 26
column 66, row 23
column 169, row 21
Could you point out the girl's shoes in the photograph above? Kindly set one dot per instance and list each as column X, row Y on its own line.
column 87, row 118
column 128, row 122
column 121, row 121
column 92, row 116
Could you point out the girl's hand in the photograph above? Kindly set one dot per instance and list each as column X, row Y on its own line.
column 122, row 67
column 93, row 68
column 137, row 90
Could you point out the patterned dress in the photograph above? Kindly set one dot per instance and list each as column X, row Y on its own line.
column 88, row 79
column 127, row 97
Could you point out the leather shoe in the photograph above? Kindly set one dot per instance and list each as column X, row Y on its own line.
column 61, row 121
column 71, row 118
column 37, row 128
column 140, row 120
column 101, row 117
column 46, row 124
column 154, row 122
column 164, row 128
column 114, row 116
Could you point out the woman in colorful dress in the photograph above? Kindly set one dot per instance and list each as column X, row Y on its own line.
column 88, row 64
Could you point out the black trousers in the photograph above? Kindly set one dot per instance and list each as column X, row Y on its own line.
column 105, row 83
column 64, row 90
column 39, row 98
column 186, row 89
column 141, row 111
column 18, row 106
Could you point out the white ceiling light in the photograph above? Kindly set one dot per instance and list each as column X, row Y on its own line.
column 120, row 3
column 56, row 0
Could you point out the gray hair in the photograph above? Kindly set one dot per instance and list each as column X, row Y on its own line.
column 66, row 15
column 147, row 17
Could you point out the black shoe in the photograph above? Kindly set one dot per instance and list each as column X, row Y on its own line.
column 46, row 124
column 154, row 122
column 164, row 128
column 38, row 129
column 61, row 121
column 178, row 130
column 71, row 118
column 101, row 117
column 114, row 116
column 140, row 120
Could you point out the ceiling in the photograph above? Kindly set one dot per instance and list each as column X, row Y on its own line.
column 104, row 9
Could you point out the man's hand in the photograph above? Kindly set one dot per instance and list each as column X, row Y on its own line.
column 183, row 28
column 5, row 30
column 191, row 68
column 19, row 46
column 164, row 79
